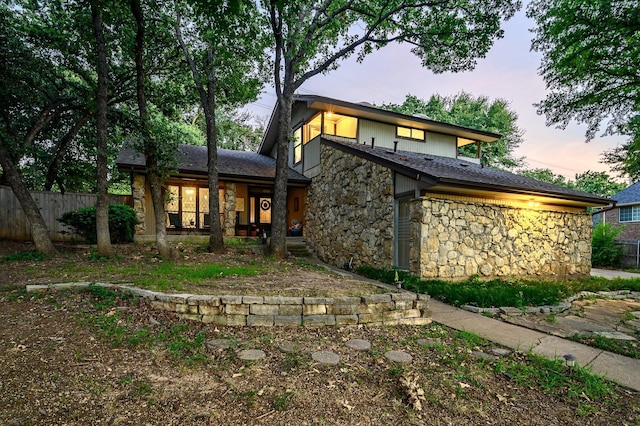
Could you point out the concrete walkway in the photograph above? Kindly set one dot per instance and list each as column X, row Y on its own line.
column 609, row 273
column 621, row 369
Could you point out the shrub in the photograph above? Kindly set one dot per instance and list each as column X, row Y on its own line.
column 604, row 250
column 122, row 222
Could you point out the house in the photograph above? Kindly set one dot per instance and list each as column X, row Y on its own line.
column 246, row 182
column 378, row 188
column 626, row 212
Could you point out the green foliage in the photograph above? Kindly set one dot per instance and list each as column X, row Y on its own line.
column 546, row 175
column 24, row 256
column 596, row 183
column 479, row 113
column 122, row 222
column 476, row 292
column 555, row 379
column 628, row 348
column 604, row 250
column 589, row 51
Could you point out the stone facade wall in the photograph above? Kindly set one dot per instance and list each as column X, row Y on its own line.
column 462, row 239
column 349, row 212
column 138, row 194
column 229, row 225
column 374, row 309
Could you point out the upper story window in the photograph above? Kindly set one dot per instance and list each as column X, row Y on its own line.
column 327, row 123
column 410, row 133
column 340, row 125
column 630, row 214
column 297, row 145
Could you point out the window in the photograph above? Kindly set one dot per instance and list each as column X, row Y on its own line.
column 410, row 133
column 297, row 146
column 188, row 206
column 340, row 125
column 630, row 214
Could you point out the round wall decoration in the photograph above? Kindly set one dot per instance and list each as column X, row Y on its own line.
column 265, row 204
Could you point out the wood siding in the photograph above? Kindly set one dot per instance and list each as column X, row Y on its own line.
column 15, row 226
column 385, row 135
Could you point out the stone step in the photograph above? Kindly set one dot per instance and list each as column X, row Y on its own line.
column 299, row 250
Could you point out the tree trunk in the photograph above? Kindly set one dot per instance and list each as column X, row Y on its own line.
column 102, row 205
column 208, row 104
column 216, row 241
column 150, row 146
column 278, row 246
column 39, row 231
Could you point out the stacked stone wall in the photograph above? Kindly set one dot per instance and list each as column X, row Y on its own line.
column 138, row 191
column 349, row 213
column 229, row 225
column 374, row 309
column 460, row 239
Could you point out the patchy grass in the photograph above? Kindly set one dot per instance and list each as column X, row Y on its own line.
column 628, row 348
column 28, row 256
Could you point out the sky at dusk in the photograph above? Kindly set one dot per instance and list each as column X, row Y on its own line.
column 509, row 72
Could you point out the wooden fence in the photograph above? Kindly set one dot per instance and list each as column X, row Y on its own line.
column 15, row 226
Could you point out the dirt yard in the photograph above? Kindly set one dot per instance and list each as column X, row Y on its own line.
column 80, row 358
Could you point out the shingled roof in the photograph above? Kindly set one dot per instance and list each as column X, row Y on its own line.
column 231, row 164
column 433, row 170
column 629, row 195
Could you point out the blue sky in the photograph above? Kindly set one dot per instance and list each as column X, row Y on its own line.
column 509, row 72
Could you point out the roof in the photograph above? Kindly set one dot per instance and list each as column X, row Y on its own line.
column 434, row 172
column 629, row 195
column 368, row 111
column 192, row 159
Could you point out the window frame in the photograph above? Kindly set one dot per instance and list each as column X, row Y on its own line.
column 634, row 213
column 411, row 136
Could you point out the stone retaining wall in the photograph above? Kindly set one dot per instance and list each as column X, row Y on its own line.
column 375, row 309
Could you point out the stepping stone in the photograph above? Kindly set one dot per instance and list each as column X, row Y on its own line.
column 219, row 344
column 635, row 314
column 428, row 343
column 326, row 357
column 482, row 356
column 398, row 356
column 358, row 344
column 500, row 352
column 251, row 355
column 290, row 347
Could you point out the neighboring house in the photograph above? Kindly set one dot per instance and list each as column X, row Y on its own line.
column 246, row 182
column 378, row 188
column 626, row 212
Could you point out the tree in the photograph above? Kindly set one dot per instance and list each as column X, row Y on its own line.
column 311, row 37
column 597, row 183
column 590, row 53
column 546, row 175
column 102, row 204
column 224, row 38
column 478, row 113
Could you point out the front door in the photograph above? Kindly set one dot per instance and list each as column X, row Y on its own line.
column 260, row 213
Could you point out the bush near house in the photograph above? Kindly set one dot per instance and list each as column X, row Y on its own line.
column 604, row 250
column 122, row 222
